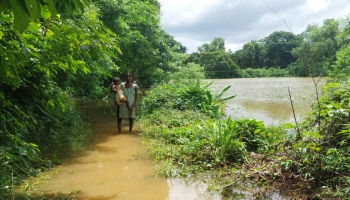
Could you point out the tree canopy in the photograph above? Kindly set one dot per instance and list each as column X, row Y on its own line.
column 26, row 10
column 216, row 61
column 141, row 39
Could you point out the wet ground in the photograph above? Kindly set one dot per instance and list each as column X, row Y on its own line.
column 115, row 166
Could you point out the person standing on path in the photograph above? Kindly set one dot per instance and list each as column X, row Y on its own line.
column 127, row 109
column 119, row 97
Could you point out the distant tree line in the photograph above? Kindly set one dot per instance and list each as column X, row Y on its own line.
column 310, row 53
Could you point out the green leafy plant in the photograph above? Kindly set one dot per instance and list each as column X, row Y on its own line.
column 229, row 146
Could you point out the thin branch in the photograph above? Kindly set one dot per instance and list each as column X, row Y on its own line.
column 295, row 119
column 318, row 103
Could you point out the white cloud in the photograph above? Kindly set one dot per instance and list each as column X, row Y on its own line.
column 232, row 4
column 195, row 22
column 180, row 12
column 316, row 5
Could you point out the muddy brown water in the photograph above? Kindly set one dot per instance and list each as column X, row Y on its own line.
column 116, row 165
column 270, row 99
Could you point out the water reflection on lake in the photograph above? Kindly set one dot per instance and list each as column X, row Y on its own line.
column 267, row 99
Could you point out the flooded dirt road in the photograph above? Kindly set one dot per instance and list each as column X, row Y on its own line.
column 116, row 167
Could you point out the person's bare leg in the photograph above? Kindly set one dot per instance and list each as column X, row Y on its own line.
column 120, row 125
column 131, row 124
column 119, row 120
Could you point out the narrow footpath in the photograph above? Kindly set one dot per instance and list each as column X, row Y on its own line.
column 114, row 167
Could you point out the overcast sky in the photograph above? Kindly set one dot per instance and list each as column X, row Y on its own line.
column 195, row 22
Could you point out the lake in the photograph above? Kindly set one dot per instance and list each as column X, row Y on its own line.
column 268, row 99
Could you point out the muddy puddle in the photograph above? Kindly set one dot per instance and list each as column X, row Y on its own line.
column 116, row 167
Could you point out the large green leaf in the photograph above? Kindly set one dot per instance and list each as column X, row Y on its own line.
column 33, row 7
column 51, row 8
column 21, row 15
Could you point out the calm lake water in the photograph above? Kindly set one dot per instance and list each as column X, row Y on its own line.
column 116, row 165
column 268, row 99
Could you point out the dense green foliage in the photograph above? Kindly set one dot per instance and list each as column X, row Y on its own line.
column 38, row 69
column 143, row 43
column 25, row 11
column 216, row 61
column 322, row 155
column 52, row 51
column 183, row 96
column 263, row 72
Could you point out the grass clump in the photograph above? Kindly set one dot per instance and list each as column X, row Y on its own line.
column 189, row 133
